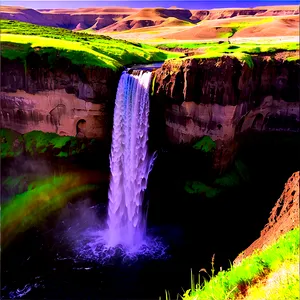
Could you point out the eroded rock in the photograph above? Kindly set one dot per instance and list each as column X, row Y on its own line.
column 283, row 218
column 223, row 98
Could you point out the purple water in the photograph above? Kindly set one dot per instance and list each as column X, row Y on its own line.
column 130, row 162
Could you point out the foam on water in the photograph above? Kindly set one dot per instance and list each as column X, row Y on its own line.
column 91, row 246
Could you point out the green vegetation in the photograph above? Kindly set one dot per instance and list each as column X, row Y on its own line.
column 19, row 39
column 153, row 85
column 205, row 144
column 42, row 197
column 232, row 178
column 241, row 51
column 37, row 142
column 198, row 187
column 185, row 45
column 41, row 142
column 10, row 143
column 293, row 58
column 273, row 261
column 226, row 47
column 282, row 284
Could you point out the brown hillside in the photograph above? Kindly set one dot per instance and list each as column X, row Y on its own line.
column 211, row 29
column 24, row 15
column 149, row 17
column 283, row 218
column 284, row 26
column 172, row 21
column 213, row 14
column 74, row 19
column 91, row 10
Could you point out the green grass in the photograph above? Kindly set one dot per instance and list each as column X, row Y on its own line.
column 228, row 284
column 293, row 58
column 244, row 52
column 185, row 45
column 251, row 48
column 19, row 39
column 282, row 284
column 241, row 51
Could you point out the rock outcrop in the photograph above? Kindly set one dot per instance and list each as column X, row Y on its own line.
column 64, row 98
column 223, row 98
column 283, row 218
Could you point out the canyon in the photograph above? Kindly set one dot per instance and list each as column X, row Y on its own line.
column 222, row 98
column 221, row 139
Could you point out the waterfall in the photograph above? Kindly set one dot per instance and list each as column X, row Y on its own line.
column 130, row 162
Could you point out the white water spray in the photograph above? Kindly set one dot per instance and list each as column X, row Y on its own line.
column 130, row 162
column 125, row 239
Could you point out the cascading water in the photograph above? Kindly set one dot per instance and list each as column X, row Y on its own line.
column 130, row 162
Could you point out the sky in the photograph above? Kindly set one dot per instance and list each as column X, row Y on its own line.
column 191, row 4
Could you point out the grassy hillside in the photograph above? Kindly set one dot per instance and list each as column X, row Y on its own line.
column 18, row 39
column 272, row 273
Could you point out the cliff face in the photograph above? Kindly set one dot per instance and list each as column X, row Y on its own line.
column 223, row 98
column 63, row 98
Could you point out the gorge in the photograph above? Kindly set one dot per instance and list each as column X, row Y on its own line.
column 118, row 177
column 221, row 98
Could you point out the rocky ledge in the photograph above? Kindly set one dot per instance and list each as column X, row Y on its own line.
column 62, row 97
column 224, row 97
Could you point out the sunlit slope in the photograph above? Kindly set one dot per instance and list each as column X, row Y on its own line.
column 272, row 273
column 266, row 26
column 149, row 17
column 18, row 39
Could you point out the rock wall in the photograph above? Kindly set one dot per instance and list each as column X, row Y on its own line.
column 53, row 111
column 224, row 98
column 36, row 74
column 62, row 98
